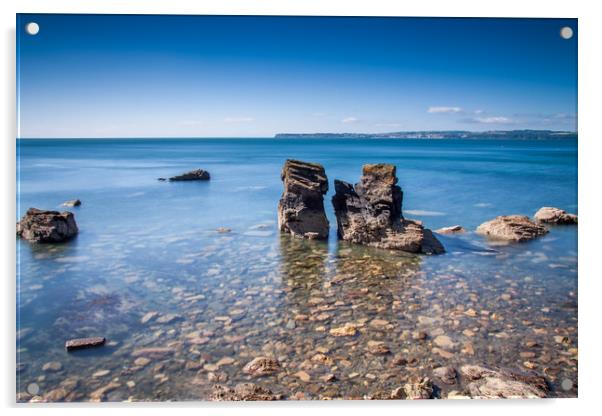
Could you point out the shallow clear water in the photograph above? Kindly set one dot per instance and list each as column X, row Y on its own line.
column 147, row 246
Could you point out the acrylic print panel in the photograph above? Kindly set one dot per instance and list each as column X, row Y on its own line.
column 259, row 208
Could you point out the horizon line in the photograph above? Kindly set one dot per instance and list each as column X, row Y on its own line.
column 273, row 136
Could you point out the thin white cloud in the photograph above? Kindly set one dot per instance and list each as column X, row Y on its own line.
column 479, row 111
column 493, row 120
column 444, row 110
column 239, row 119
column 349, row 120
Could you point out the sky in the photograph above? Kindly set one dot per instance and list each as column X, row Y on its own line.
column 245, row 76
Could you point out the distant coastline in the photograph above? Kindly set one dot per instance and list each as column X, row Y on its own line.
column 448, row 134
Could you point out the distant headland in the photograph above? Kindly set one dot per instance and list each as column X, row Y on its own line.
column 447, row 134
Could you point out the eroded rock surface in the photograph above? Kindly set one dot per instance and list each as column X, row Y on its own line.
column 301, row 207
column 419, row 391
column 40, row 226
column 492, row 383
column 516, row 228
column 551, row 215
column 369, row 213
column 261, row 366
column 194, row 175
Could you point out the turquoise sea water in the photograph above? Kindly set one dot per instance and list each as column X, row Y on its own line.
column 146, row 245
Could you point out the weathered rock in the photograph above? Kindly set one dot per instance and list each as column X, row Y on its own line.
column 454, row 229
column 194, row 175
column 377, row 347
column 347, row 330
column 552, row 215
column 72, row 203
column 421, row 390
column 52, row 366
column 370, row 214
column 445, row 374
column 301, row 207
column 244, row 392
column 79, row 343
column 516, row 228
column 503, row 383
column 40, row 226
column 261, row 366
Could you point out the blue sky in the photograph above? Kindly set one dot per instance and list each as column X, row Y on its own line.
column 220, row 76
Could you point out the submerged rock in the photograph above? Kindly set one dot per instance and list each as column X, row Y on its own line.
column 80, row 343
column 194, row 175
column 551, row 215
column 516, row 228
column 261, row 366
column 40, row 226
column 491, row 383
column 301, row 207
column 370, row 214
column 244, row 392
column 445, row 374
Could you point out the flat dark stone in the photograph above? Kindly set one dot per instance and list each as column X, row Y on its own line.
column 79, row 343
column 195, row 175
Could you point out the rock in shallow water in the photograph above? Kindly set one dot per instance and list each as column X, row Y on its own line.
column 445, row 374
column 492, row 383
column 194, row 175
column 370, row 214
column 261, row 366
column 516, row 228
column 454, row 229
column 244, row 392
column 551, row 215
column 40, row 226
column 419, row 391
column 80, row 343
column 301, row 207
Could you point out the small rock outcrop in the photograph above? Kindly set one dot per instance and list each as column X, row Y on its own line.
column 493, row 383
column 243, row 392
column 515, row 228
column 40, row 226
column 369, row 213
column 301, row 207
column 194, row 175
column 72, row 203
column 454, row 229
column 551, row 215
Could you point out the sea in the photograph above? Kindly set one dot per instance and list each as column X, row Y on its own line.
column 150, row 272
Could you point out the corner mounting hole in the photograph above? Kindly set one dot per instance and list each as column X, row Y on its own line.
column 566, row 32
column 32, row 28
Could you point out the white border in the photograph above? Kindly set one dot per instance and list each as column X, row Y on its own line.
column 590, row 162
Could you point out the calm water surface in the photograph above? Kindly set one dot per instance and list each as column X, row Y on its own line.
column 223, row 299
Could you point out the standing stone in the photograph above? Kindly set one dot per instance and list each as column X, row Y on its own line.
column 515, row 228
column 370, row 214
column 40, row 226
column 301, row 207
